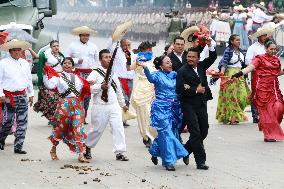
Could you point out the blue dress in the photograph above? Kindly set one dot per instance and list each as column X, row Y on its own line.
column 239, row 30
column 166, row 117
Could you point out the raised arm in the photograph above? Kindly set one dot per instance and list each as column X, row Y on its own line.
column 152, row 77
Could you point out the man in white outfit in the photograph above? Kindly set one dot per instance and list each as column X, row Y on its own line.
column 85, row 55
column 106, row 112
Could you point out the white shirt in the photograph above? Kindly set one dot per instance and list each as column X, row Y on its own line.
column 113, row 97
column 119, row 63
column 253, row 50
column 15, row 75
column 213, row 27
column 179, row 56
column 51, row 60
column 59, row 84
column 88, row 52
column 205, row 52
column 235, row 60
column 259, row 16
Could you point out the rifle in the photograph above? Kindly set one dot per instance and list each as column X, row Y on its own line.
column 107, row 78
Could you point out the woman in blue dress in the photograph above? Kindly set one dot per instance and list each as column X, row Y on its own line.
column 166, row 115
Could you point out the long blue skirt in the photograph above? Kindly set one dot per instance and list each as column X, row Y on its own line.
column 239, row 30
column 166, row 117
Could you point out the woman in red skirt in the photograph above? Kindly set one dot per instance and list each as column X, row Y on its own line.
column 267, row 97
column 69, row 116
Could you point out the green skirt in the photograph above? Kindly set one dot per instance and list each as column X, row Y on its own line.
column 234, row 97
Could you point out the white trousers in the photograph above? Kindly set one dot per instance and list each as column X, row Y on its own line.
column 101, row 116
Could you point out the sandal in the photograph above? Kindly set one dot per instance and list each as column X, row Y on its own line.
column 53, row 153
column 82, row 159
column 121, row 157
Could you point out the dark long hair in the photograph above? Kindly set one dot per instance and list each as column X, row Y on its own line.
column 232, row 38
column 158, row 61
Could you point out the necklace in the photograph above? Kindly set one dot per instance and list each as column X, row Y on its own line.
column 58, row 57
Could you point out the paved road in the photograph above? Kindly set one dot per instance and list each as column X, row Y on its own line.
column 237, row 156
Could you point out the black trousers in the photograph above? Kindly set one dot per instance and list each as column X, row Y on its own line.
column 196, row 119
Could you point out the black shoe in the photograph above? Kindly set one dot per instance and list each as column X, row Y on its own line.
column 88, row 154
column 202, row 166
column 154, row 160
column 147, row 143
column 269, row 140
column 255, row 120
column 17, row 151
column 125, row 125
column 121, row 157
column 86, row 123
column 186, row 160
column 170, row 168
column 2, row 145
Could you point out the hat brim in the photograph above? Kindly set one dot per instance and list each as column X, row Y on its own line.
column 121, row 30
column 15, row 45
column 189, row 31
column 83, row 30
column 265, row 31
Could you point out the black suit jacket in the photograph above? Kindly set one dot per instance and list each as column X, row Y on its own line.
column 187, row 75
column 176, row 63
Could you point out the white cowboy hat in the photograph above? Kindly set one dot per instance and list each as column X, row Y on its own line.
column 280, row 15
column 127, row 115
column 262, row 31
column 121, row 30
column 83, row 30
column 261, row 6
column 239, row 8
column 15, row 44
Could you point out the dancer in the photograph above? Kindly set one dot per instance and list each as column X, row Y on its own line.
column 106, row 112
column 240, row 20
column 69, row 116
column 16, row 93
column 194, row 100
column 267, row 97
column 234, row 98
column 143, row 94
column 166, row 114
column 48, row 99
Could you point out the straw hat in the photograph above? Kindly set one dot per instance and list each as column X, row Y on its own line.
column 239, row 8
column 15, row 44
column 281, row 16
column 262, row 31
column 128, row 115
column 261, row 6
column 187, row 34
column 83, row 30
column 121, row 30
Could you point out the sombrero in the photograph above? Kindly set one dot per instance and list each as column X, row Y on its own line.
column 239, row 8
column 128, row 115
column 121, row 30
column 262, row 31
column 83, row 30
column 15, row 44
column 280, row 15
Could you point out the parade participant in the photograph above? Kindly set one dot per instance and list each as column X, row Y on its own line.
column 194, row 100
column 124, row 55
column 48, row 99
column 143, row 94
column 178, row 56
column 267, row 95
column 103, row 112
column 259, row 16
column 174, row 28
column 68, row 118
column 234, row 98
column 166, row 114
column 86, row 56
column 169, row 49
column 16, row 93
column 240, row 20
column 257, row 48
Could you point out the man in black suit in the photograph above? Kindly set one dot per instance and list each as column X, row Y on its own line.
column 193, row 91
column 178, row 56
